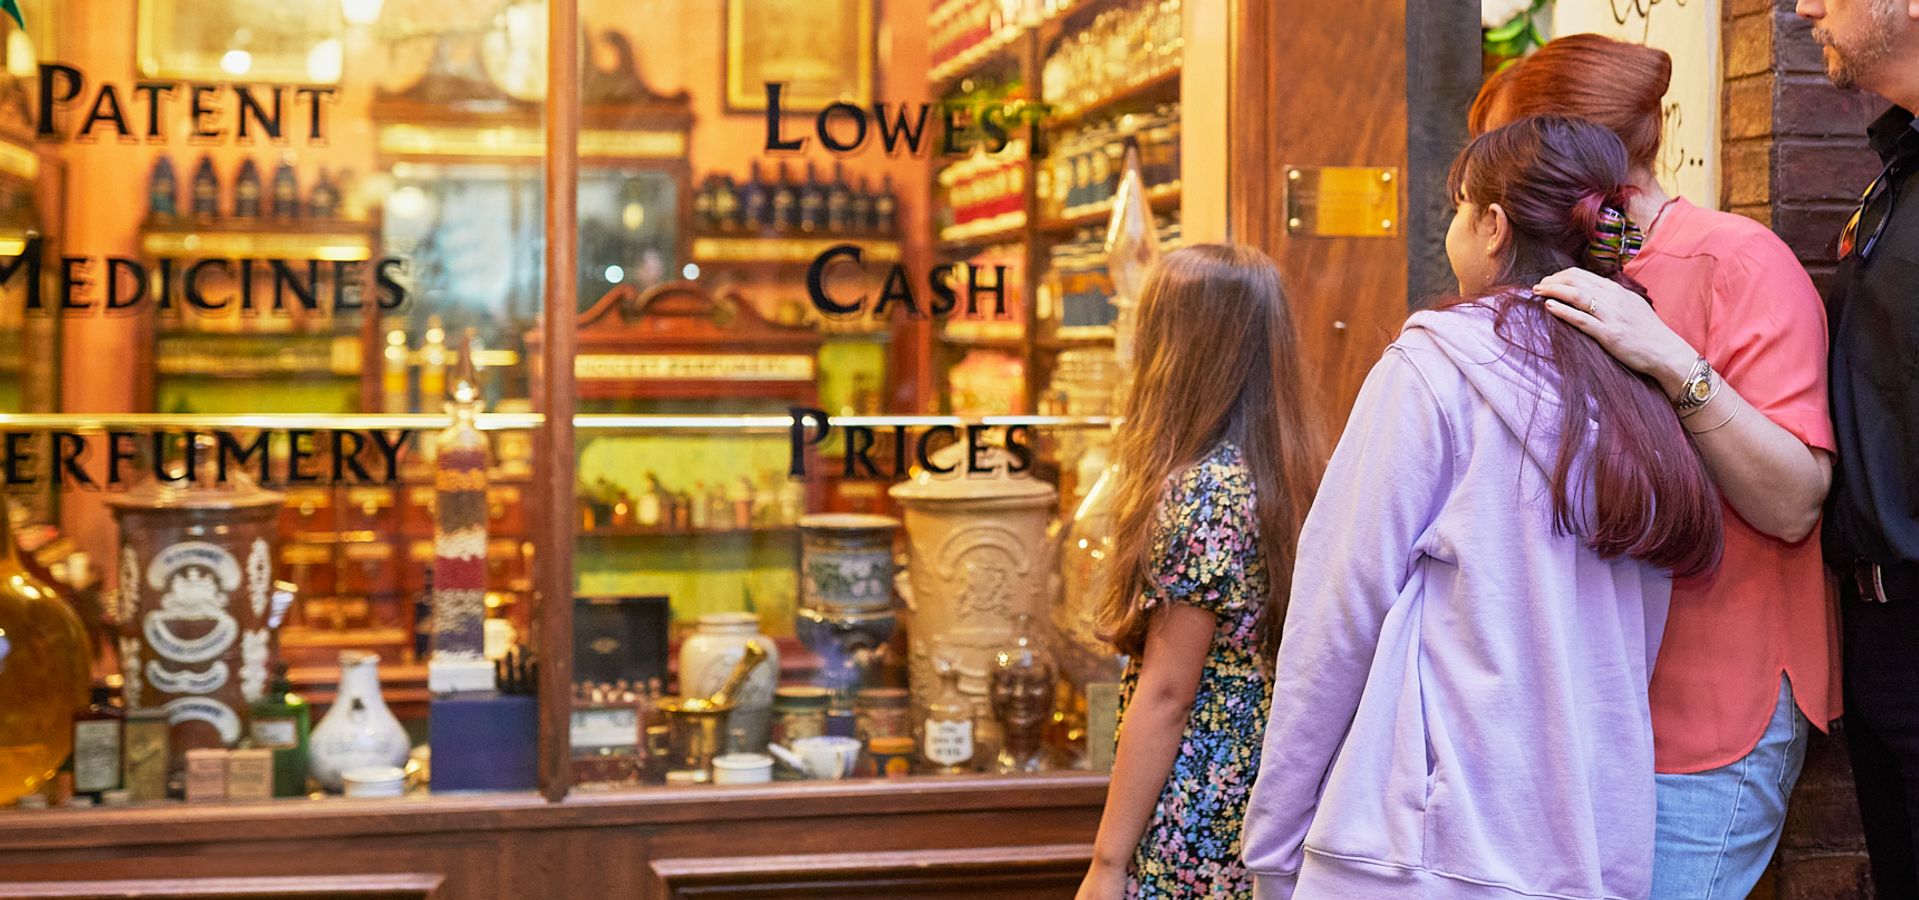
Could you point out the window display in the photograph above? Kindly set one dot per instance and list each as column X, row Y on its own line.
column 845, row 347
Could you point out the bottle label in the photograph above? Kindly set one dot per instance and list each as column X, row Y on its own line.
column 96, row 756
column 949, row 743
column 277, row 734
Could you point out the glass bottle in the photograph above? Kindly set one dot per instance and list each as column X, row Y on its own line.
column 282, row 722
column 206, row 189
column 323, row 202
column 286, row 191
column 886, row 209
column 812, row 201
column 946, row 736
column 726, row 205
column 786, row 203
column 703, row 218
column 699, row 513
column 98, row 731
column 1022, row 686
column 43, row 673
column 163, row 190
column 433, row 358
column 839, row 202
column 753, row 202
column 862, row 218
column 423, row 619
column 647, row 510
column 247, row 191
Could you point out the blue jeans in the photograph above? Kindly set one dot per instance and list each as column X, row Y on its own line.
column 1717, row 828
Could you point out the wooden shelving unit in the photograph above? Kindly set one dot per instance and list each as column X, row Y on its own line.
column 632, row 532
column 1162, row 198
column 1023, row 51
column 785, row 250
column 322, row 239
column 997, row 230
column 1163, row 87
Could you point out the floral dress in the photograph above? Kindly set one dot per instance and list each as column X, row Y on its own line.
column 1206, row 553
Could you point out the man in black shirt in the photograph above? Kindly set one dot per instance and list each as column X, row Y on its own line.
column 1872, row 514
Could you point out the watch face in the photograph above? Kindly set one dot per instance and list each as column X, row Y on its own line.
column 1701, row 389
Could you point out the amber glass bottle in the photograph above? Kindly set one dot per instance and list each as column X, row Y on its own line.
column 44, row 674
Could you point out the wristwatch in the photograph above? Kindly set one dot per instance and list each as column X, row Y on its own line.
column 1698, row 387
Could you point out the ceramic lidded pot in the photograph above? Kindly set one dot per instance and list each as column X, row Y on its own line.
column 846, row 593
column 847, row 562
column 978, row 559
column 196, row 601
column 709, row 655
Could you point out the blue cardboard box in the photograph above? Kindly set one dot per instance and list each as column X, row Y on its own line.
column 484, row 742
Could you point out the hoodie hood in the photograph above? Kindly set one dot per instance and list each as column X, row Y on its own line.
column 1509, row 372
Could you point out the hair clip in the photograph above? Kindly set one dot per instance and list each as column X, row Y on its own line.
column 1615, row 239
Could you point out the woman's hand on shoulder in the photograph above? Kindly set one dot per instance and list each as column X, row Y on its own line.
column 1622, row 322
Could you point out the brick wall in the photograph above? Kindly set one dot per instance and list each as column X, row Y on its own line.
column 1795, row 158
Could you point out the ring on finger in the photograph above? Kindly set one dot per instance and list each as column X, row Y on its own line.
column 1592, row 306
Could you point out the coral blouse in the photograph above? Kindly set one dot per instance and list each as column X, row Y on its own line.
column 1732, row 289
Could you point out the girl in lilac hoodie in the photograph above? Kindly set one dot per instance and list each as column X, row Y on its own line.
column 1459, row 705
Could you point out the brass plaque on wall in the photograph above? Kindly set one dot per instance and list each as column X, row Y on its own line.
column 1342, row 201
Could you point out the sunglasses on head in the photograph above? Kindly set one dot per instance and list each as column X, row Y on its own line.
column 1849, row 244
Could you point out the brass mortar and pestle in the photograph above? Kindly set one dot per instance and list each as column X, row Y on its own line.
column 696, row 726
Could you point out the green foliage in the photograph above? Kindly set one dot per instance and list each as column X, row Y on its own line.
column 1517, row 37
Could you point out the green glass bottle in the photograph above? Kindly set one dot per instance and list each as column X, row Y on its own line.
column 281, row 722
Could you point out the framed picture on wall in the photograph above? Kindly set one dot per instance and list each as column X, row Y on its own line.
column 822, row 50
column 284, row 41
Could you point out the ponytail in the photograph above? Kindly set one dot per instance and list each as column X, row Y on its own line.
column 1563, row 185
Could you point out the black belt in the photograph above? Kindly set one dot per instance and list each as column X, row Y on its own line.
column 1899, row 581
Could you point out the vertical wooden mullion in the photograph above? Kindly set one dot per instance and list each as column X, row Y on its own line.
column 554, row 395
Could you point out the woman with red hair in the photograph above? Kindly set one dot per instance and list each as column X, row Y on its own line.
column 1735, row 335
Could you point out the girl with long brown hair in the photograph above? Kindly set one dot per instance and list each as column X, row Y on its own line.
column 1216, row 462
column 1460, row 703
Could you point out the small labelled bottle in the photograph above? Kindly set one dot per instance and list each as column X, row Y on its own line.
column 286, row 191
column 163, row 190
column 839, row 203
column 647, row 508
column 886, row 209
column 862, row 221
column 394, row 367
column 206, row 190
column 726, row 205
column 754, row 211
column 786, row 204
column 742, row 498
column 812, row 202
column 433, row 360
column 99, row 733
column 703, row 218
column 323, row 202
column 247, row 191
column 282, row 722
column 423, row 620
column 699, row 514
column 947, row 733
